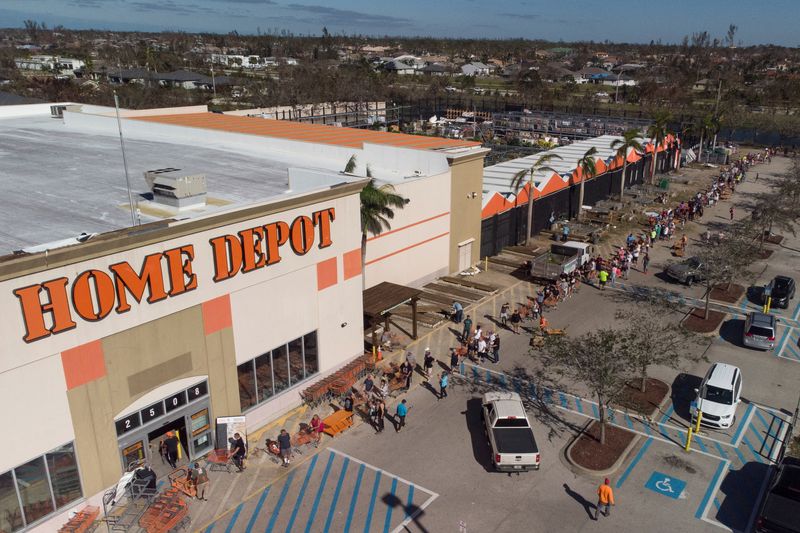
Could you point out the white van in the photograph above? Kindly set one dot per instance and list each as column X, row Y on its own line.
column 718, row 396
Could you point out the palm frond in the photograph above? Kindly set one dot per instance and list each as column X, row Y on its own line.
column 351, row 164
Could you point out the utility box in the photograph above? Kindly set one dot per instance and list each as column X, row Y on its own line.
column 175, row 188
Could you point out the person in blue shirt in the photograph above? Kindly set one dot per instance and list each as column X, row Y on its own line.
column 458, row 311
column 443, row 386
column 565, row 233
column 400, row 415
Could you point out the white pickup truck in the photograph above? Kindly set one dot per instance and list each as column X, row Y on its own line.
column 510, row 435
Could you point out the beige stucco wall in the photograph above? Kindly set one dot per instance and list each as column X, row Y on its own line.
column 465, row 211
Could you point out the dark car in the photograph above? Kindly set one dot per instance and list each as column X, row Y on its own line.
column 782, row 291
column 687, row 271
column 780, row 508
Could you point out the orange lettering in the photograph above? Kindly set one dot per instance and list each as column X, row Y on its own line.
column 127, row 280
column 251, row 248
column 181, row 277
column 82, row 299
column 302, row 235
column 322, row 219
column 277, row 235
column 227, row 256
column 33, row 310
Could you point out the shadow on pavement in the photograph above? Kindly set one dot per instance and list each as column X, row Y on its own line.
column 683, row 393
column 741, row 488
column 477, row 433
column 587, row 505
column 412, row 511
column 731, row 331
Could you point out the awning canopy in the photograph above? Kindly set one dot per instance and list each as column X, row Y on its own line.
column 385, row 296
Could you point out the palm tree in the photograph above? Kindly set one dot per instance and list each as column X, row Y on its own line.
column 350, row 167
column 630, row 140
column 377, row 209
column 588, row 168
column 657, row 132
column 518, row 182
column 704, row 124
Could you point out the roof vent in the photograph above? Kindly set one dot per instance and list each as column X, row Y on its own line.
column 174, row 188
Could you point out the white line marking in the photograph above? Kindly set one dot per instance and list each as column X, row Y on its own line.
column 716, row 487
column 746, row 423
column 415, row 514
column 373, row 467
column 715, row 523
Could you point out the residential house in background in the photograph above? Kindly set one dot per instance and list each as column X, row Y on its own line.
column 476, row 68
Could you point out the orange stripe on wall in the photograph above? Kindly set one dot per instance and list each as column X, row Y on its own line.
column 217, row 314
column 401, row 250
column 440, row 215
column 83, row 364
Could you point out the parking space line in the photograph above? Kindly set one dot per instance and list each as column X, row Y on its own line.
column 740, row 455
column 259, row 505
column 336, row 493
column 409, row 501
column 668, row 414
column 579, row 404
column 299, row 501
column 315, row 507
column 374, row 495
column 596, row 412
column 628, row 421
column 713, row 487
column 636, row 459
column 782, row 342
column 233, row 518
column 281, row 500
column 762, row 419
column 699, row 441
column 736, row 440
column 354, row 499
column 722, row 452
column 753, row 450
column 388, row 521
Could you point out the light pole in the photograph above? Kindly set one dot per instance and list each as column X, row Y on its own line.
column 134, row 209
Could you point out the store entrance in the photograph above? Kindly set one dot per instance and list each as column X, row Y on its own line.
column 159, row 463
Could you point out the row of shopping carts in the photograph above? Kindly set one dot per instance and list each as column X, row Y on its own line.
column 338, row 384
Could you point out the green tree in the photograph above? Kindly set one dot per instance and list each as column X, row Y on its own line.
column 377, row 210
column 657, row 131
column 704, row 125
column 526, row 176
column 630, row 140
column 588, row 167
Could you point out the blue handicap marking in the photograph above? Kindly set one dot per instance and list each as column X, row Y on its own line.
column 665, row 485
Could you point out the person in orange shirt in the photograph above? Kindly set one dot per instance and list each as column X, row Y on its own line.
column 605, row 499
column 543, row 323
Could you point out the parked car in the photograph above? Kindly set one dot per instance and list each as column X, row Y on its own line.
column 783, row 288
column 759, row 331
column 509, row 432
column 780, row 509
column 718, row 396
column 687, row 271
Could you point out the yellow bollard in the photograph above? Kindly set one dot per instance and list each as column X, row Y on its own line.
column 699, row 418
column 688, row 446
column 486, row 263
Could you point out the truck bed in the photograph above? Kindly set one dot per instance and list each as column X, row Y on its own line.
column 514, row 440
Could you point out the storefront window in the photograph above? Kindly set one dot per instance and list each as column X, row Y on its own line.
column 63, row 468
column 310, row 351
column 10, row 513
column 247, row 385
column 296, row 360
column 34, row 490
column 280, row 368
column 264, row 376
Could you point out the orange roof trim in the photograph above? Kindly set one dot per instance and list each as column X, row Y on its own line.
column 297, row 131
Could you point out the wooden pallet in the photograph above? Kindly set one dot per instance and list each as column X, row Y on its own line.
column 472, row 284
column 455, row 290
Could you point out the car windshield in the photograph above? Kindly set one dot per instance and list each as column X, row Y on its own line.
column 717, row 395
column 511, row 423
column 781, row 286
column 760, row 332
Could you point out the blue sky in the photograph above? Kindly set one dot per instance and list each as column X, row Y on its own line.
column 770, row 21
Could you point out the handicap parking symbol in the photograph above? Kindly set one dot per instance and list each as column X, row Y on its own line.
column 665, row 485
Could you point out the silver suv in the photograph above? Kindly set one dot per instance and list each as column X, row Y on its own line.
column 759, row 331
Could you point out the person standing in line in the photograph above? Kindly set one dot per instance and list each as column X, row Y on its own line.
column 238, row 452
column 172, row 444
column 162, row 451
column 400, row 415
column 443, row 386
column 428, row 364
column 453, row 360
column 504, row 314
column 467, row 329
column 515, row 320
column 496, row 349
column 411, row 359
column 381, row 415
column 458, row 312
column 605, row 499
column 200, row 480
column 407, row 372
column 285, row 445
column 731, row 211
column 645, row 262
column 602, row 276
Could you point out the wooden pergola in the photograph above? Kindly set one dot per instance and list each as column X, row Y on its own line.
column 380, row 300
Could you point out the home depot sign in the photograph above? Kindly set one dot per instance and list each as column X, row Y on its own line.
column 52, row 306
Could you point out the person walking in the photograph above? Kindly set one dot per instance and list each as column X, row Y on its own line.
column 443, row 385
column 504, row 314
column 605, row 499
column 400, row 415
column 285, row 445
column 171, row 443
column 453, row 360
column 238, row 451
column 200, row 480
column 496, row 349
column 381, row 415
column 162, row 451
column 515, row 320
column 467, row 329
column 645, row 262
column 731, row 211
column 428, row 364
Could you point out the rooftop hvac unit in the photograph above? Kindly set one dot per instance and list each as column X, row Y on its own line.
column 172, row 187
column 57, row 111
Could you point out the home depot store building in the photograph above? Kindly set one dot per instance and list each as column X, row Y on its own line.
column 109, row 344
